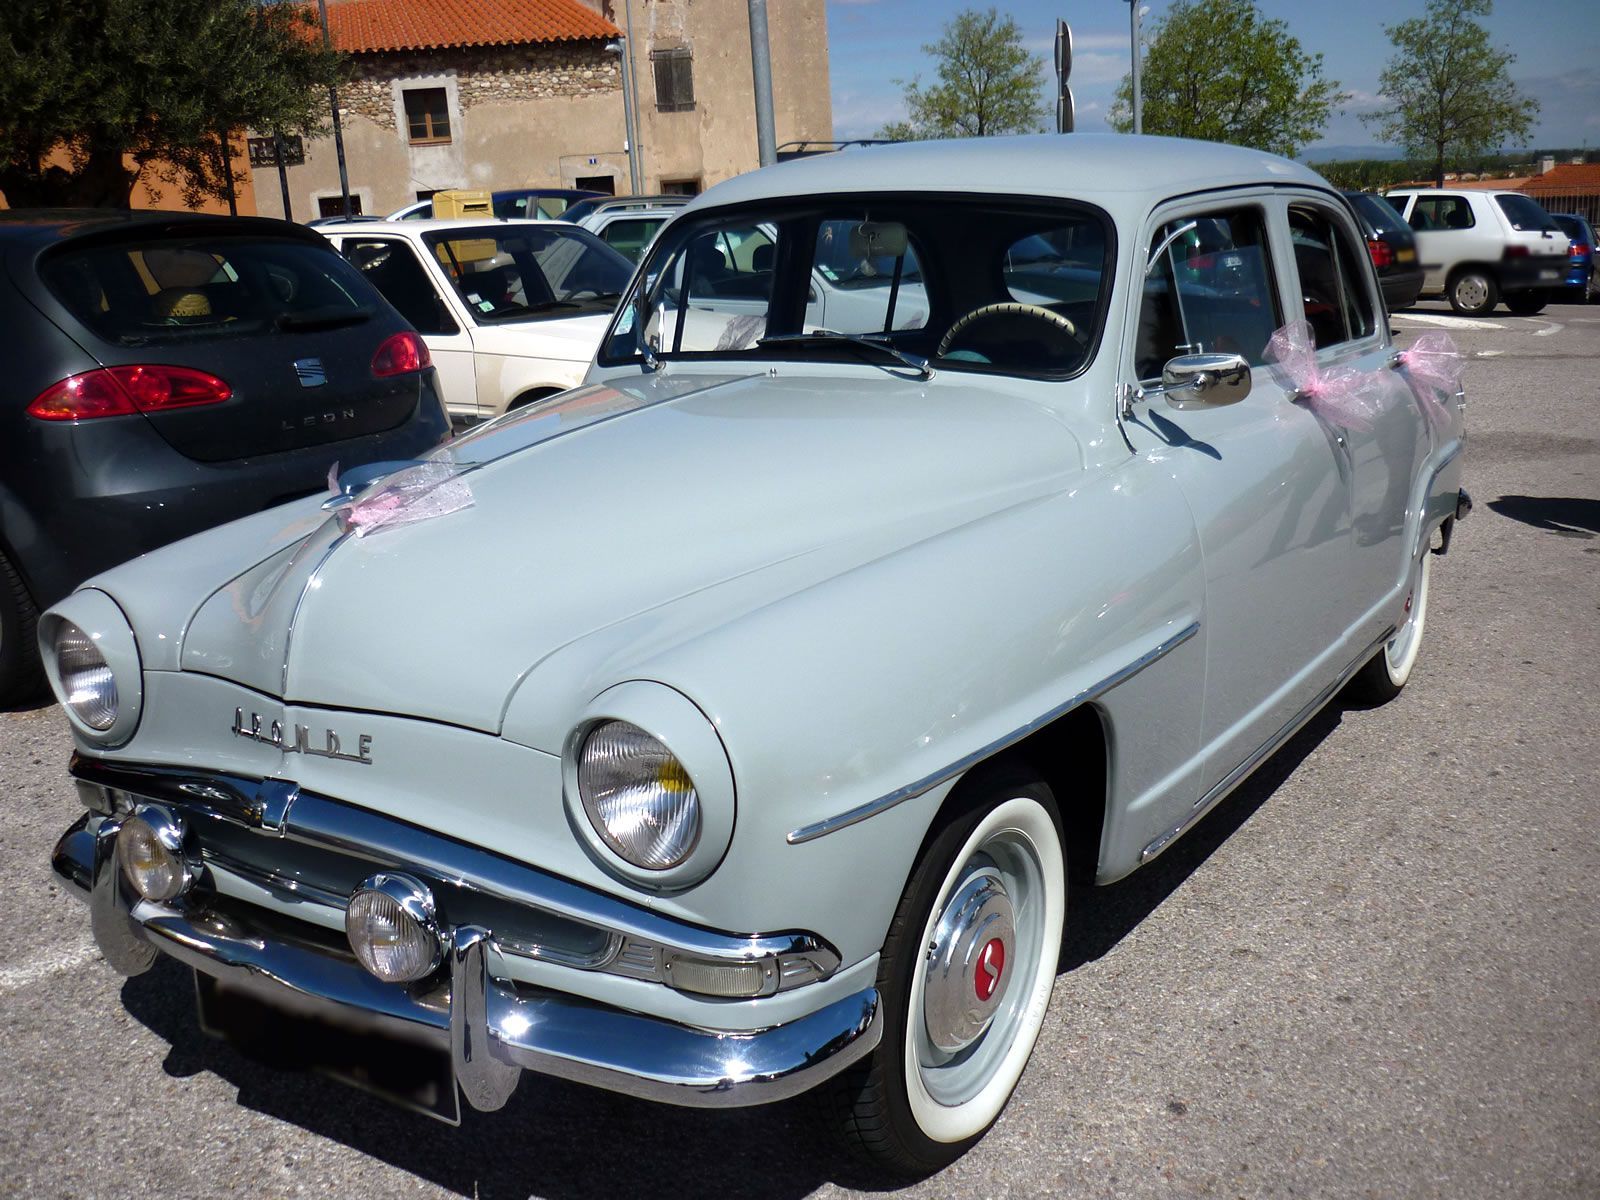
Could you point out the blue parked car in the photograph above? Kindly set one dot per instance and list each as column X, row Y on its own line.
column 1579, row 285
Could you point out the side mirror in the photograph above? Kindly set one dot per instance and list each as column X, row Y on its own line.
column 1205, row 380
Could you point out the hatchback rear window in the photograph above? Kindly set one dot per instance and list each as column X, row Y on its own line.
column 1381, row 216
column 1526, row 215
column 175, row 289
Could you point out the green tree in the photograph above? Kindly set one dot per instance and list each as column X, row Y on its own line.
column 95, row 94
column 988, row 83
column 1220, row 71
column 1449, row 93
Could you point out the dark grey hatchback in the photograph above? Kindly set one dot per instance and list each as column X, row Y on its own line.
column 167, row 372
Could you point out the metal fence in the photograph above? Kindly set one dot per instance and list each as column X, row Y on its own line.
column 1581, row 199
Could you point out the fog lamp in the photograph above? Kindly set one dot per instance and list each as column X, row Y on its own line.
column 150, row 852
column 707, row 977
column 393, row 928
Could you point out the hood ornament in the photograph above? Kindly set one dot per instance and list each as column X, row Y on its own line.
column 299, row 742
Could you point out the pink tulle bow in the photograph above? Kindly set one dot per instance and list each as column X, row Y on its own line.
column 1341, row 396
column 1433, row 369
column 419, row 493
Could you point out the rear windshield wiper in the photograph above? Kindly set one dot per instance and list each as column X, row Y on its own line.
column 824, row 336
column 322, row 318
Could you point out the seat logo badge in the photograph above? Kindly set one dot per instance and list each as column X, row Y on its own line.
column 310, row 372
column 299, row 742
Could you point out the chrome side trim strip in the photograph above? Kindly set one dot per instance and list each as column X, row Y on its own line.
column 872, row 808
column 1237, row 776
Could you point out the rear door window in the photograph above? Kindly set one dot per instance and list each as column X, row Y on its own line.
column 182, row 289
column 1442, row 212
column 391, row 266
column 1332, row 280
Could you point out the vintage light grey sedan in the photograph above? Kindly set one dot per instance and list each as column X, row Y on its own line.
column 807, row 654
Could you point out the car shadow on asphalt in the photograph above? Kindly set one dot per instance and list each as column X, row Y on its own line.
column 1569, row 516
column 1103, row 916
column 566, row 1141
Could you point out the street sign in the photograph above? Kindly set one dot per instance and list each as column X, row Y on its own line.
column 264, row 154
column 1066, row 110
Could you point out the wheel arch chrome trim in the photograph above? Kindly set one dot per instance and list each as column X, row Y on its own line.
column 808, row 833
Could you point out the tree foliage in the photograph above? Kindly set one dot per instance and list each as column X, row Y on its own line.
column 988, row 83
column 1449, row 93
column 96, row 93
column 1220, row 71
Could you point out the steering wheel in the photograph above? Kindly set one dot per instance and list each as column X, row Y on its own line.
column 1007, row 309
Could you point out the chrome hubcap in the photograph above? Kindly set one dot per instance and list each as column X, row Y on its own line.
column 967, row 972
column 1471, row 292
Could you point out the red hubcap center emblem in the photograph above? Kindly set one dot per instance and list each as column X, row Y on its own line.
column 991, row 961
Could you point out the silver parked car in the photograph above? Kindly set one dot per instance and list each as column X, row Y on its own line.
column 814, row 644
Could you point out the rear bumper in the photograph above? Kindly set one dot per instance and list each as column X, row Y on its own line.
column 493, row 1029
column 1521, row 274
column 1400, row 287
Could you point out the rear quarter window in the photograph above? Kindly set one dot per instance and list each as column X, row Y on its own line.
column 175, row 289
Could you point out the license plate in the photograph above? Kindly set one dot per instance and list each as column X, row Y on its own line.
column 1403, row 255
column 412, row 1074
column 1549, row 274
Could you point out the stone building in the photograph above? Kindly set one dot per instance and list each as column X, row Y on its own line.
column 528, row 93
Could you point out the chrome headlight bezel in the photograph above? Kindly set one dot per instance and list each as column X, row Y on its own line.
column 95, row 617
column 682, row 730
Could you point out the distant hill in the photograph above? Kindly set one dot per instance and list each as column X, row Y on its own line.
column 1327, row 153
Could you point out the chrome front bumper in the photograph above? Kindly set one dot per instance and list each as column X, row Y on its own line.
column 492, row 1028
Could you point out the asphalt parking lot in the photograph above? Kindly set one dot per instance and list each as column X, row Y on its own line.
column 1372, row 972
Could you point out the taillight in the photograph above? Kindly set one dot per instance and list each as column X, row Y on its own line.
column 1382, row 253
column 122, row 391
column 401, row 354
column 1516, row 250
column 1579, row 249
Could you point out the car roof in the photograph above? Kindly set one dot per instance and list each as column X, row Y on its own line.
column 1078, row 165
column 427, row 224
column 47, row 226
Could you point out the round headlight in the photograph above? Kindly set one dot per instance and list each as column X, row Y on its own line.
column 393, row 928
column 150, row 850
column 87, row 685
column 638, row 796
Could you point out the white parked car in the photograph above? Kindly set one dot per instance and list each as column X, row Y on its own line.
column 511, row 310
column 806, row 662
column 1480, row 247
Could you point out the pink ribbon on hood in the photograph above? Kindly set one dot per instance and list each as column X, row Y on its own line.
column 418, row 493
column 1342, row 396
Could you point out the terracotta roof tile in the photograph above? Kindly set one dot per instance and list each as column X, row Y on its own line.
column 1567, row 175
column 370, row 26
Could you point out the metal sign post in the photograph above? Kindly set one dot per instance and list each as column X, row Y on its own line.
column 1133, row 37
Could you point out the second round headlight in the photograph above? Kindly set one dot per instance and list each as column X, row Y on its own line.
column 638, row 796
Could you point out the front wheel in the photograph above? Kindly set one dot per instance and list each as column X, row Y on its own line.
column 1382, row 679
column 1473, row 292
column 965, row 976
column 1525, row 304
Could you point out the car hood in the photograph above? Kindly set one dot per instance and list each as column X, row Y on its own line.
column 608, row 502
column 567, row 339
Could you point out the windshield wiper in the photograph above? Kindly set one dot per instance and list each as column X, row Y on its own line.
column 822, row 336
column 322, row 318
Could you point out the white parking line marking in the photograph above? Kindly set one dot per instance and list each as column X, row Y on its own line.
column 1449, row 322
column 59, row 962
column 1550, row 327
column 1487, row 353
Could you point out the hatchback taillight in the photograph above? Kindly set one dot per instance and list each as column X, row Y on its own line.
column 1382, row 253
column 123, row 391
column 400, row 355
column 1579, row 249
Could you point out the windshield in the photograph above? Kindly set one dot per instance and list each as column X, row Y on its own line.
column 525, row 272
column 1526, row 215
column 970, row 283
column 164, row 289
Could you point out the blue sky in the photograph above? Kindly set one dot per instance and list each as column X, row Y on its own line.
column 1557, row 43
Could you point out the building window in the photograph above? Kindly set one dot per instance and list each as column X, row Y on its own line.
column 427, row 115
column 333, row 206
column 680, row 187
column 674, row 79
